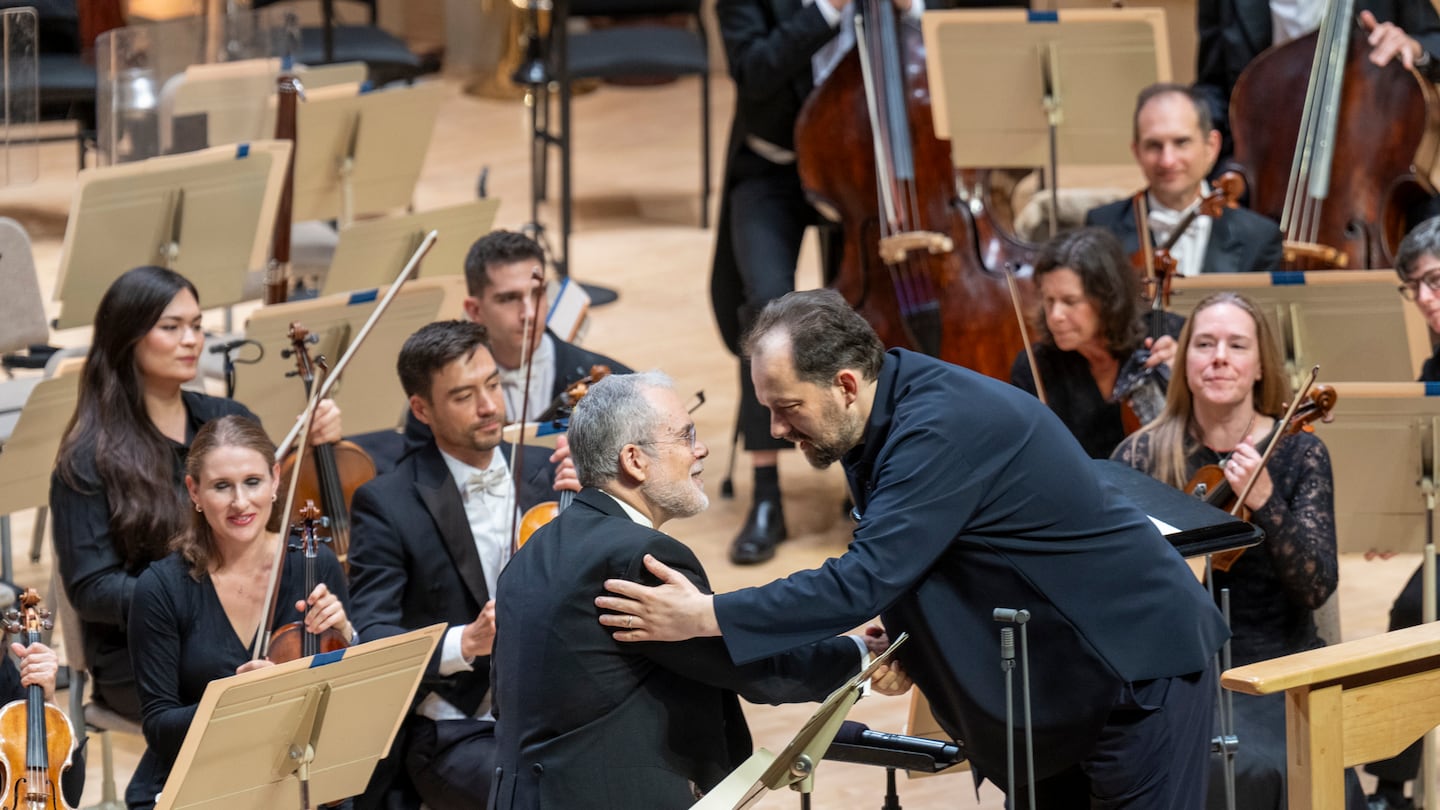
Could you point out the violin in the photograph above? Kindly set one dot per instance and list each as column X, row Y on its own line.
column 337, row 470
column 293, row 641
column 1210, row 484
column 36, row 739
column 546, row 511
column 1155, row 264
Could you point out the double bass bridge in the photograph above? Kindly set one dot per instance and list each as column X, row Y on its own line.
column 895, row 248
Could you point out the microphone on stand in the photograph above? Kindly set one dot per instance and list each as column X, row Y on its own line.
column 855, row 742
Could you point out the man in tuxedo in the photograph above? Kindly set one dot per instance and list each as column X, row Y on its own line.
column 584, row 721
column 972, row 496
column 500, row 278
column 428, row 541
column 1175, row 144
column 778, row 51
column 1233, row 32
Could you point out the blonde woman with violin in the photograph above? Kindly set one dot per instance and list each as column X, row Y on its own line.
column 1228, row 392
column 196, row 612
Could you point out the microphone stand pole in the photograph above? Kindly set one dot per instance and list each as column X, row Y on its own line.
column 1007, row 663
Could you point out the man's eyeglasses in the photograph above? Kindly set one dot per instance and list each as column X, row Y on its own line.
column 1410, row 290
column 688, row 437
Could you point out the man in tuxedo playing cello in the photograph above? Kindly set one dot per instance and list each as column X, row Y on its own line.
column 1175, row 145
column 428, row 541
column 778, row 51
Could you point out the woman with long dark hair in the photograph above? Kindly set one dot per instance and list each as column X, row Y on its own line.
column 117, row 493
column 1090, row 325
column 196, row 612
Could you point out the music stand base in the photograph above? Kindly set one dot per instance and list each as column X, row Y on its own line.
column 600, row 296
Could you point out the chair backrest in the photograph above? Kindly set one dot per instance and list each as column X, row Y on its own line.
column 22, row 309
column 69, row 622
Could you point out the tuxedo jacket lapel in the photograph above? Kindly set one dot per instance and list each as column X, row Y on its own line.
column 437, row 490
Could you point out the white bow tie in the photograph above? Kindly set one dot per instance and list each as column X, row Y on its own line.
column 496, row 482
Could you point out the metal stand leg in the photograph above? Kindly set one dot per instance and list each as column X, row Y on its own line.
column 7, row 568
column 37, row 538
column 892, row 798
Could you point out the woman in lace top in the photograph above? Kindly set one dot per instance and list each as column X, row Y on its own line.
column 1223, row 405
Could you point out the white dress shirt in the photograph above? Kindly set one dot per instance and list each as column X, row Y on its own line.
column 542, row 382
column 1189, row 250
column 1292, row 19
column 489, row 512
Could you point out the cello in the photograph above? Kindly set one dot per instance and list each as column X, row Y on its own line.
column 911, row 261
column 1321, row 163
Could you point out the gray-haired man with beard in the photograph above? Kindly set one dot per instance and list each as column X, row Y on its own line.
column 588, row 722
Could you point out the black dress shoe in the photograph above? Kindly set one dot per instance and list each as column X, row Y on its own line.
column 764, row 528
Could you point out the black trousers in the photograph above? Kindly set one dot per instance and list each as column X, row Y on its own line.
column 768, row 215
column 450, row 762
column 1153, row 752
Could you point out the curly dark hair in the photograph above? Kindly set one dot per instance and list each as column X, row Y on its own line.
column 1095, row 255
column 826, row 335
column 494, row 249
column 433, row 347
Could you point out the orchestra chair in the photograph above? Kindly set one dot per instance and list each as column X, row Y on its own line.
column 386, row 56
column 97, row 716
column 1348, row 704
column 633, row 48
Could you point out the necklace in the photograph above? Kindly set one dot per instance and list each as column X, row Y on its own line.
column 1225, row 456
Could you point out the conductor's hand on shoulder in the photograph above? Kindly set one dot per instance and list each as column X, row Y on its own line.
column 1389, row 41
column 478, row 638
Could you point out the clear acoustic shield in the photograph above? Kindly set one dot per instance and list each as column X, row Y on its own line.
column 142, row 106
column 20, row 63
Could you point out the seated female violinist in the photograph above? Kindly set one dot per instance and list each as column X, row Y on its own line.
column 1229, row 391
column 117, row 493
column 1091, row 324
column 196, row 612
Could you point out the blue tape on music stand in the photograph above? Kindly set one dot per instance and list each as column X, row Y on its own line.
column 322, row 659
column 1287, row 278
column 1042, row 16
column 242, row 151
column 555, row 427
column 364, row 297
column 1432, row 389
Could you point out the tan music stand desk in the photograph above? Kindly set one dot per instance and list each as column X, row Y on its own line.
column 358, row 155
column 988, row 81
column 208, row 215
column 369, row 396
column 1353, row 323
column 794, row 766
column 371, row 252
column 330, row 717
column 29, row 455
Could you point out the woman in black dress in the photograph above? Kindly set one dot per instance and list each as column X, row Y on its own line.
column 1229, row 391
column 1090, row 323
column 196, row 612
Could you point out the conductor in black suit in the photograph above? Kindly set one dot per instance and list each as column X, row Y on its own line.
column 973, row 496
column 428, row 540
column 1175, row 143
column 585, row 721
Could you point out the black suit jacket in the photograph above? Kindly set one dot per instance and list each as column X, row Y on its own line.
column 768, row 46
column 1241, row 240
column 413, row 561
column 1233, row 32
column 969, row 508
column 585, row 721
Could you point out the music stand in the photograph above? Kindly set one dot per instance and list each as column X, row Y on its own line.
column 358, row 155
column 29, row 454
column 301, row 733
column 370, row 253
column 370, row 402
column 207, row 215
column 1079, row 69
column 795, row 765
column 1349, row 322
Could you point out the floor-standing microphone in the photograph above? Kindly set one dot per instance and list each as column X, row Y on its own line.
column 1021, row 617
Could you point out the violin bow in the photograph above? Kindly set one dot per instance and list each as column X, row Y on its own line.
column 1280, row 428
column 1014, row 288
column 300, row 433
column 527, row 356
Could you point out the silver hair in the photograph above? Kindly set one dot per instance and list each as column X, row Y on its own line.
column 613, row 413
column 1424, row 240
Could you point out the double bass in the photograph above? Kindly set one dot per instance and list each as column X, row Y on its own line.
column 1334, row 148
column 913, row 262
